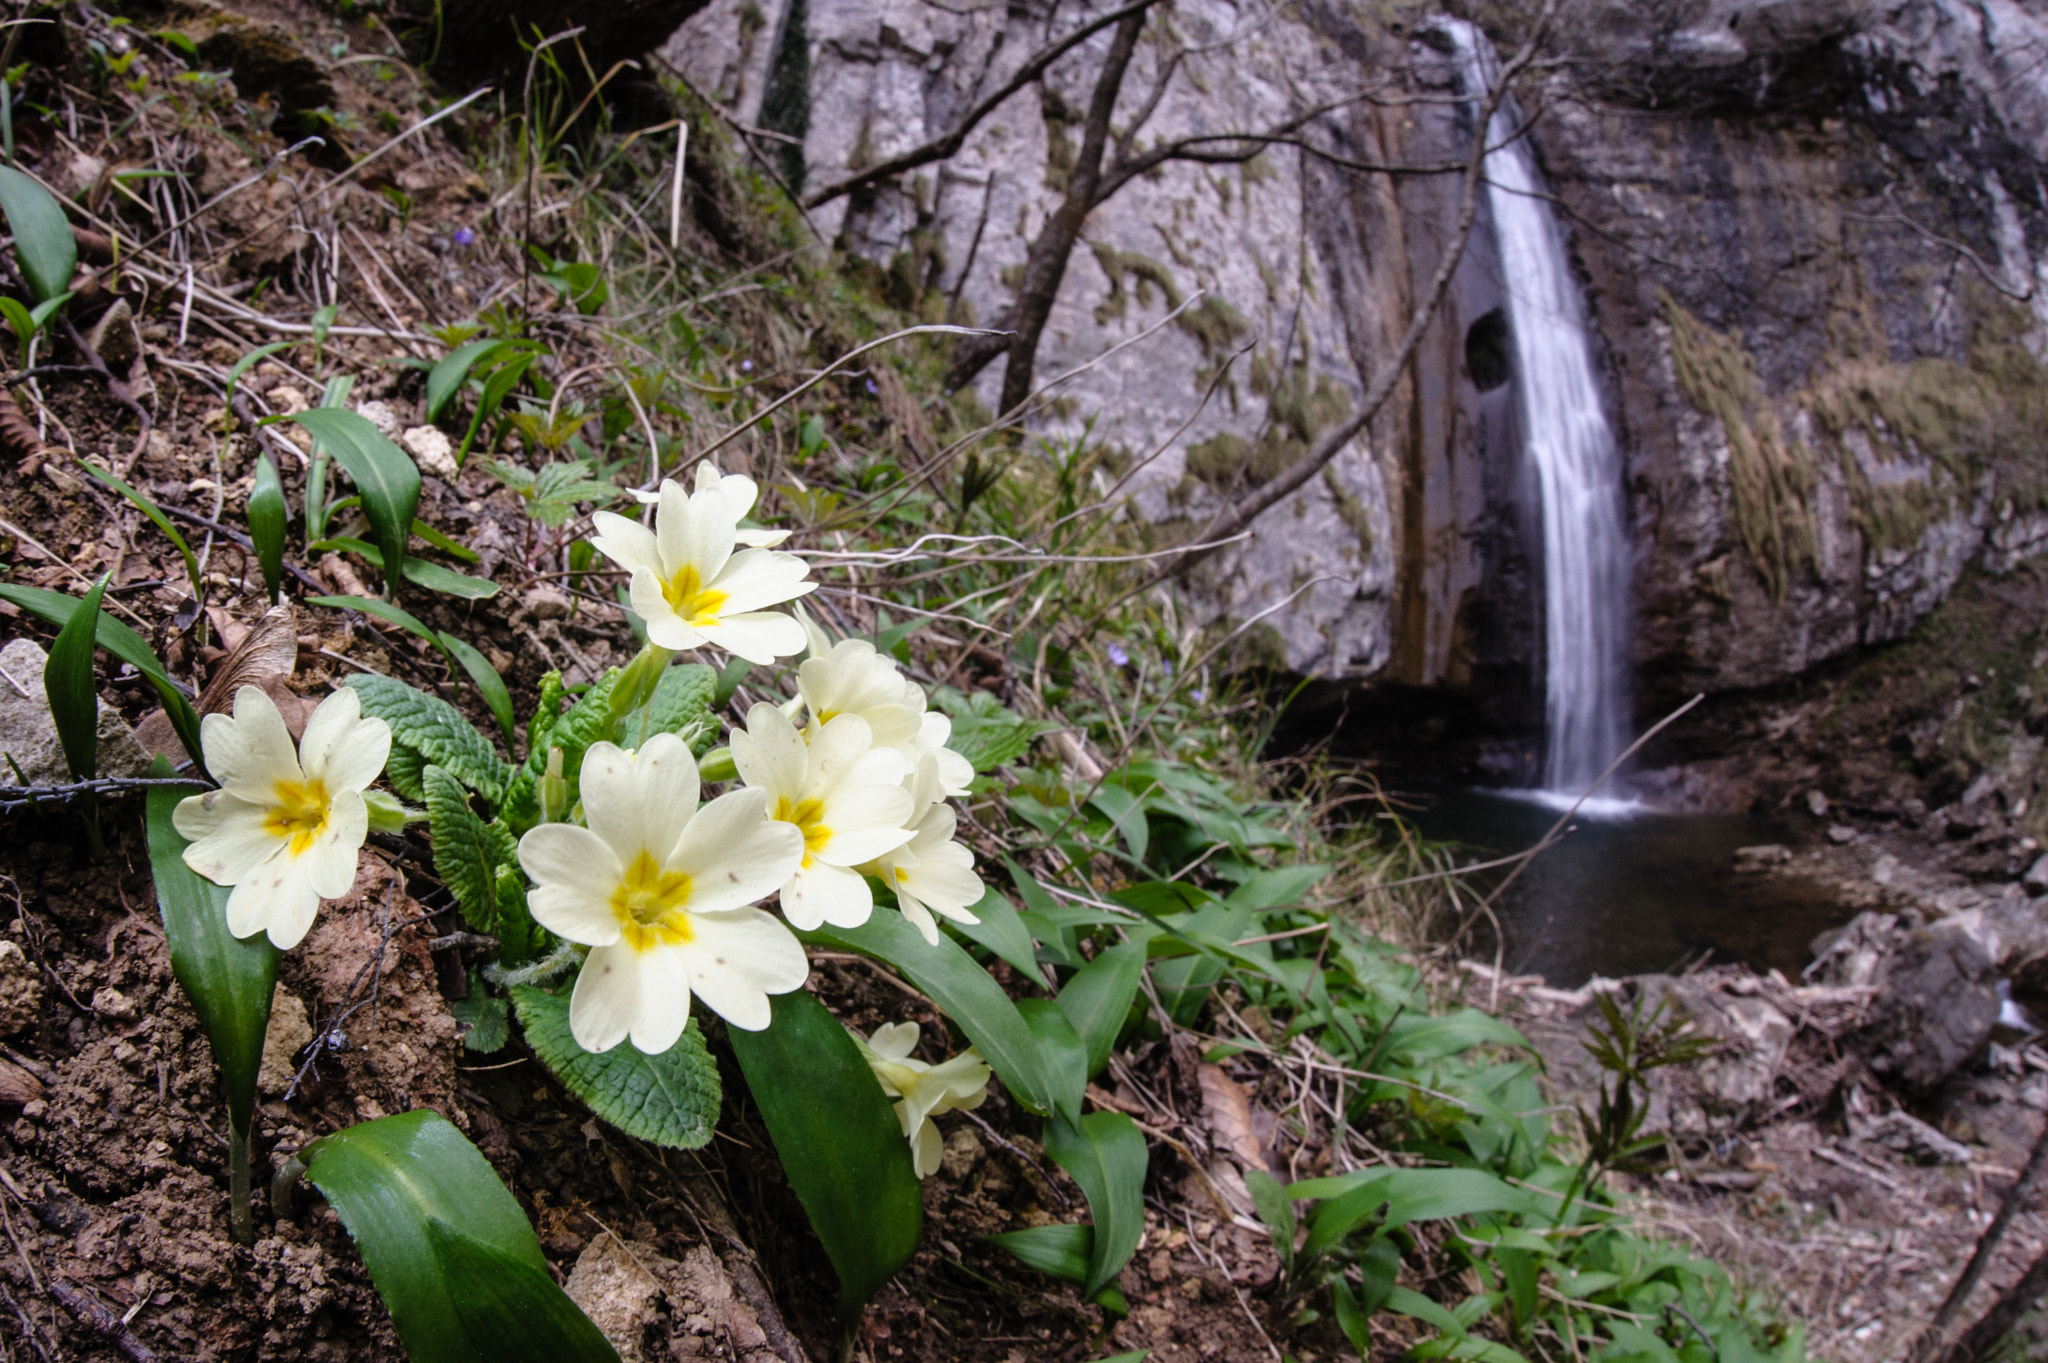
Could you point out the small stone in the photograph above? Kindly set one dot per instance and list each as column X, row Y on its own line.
column 21, row 991
column 1762, row 857
column 1817, row 804
column 283, row 1039
column 1841, row 833
column 110, row 1002
column 29, row 735
column 380, row 415
column 545, row 603
column 434, row 451
column 2036, row 878
column 1884, row 868
column 963, row 1153
column 286, row 399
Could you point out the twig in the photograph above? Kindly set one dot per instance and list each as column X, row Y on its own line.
column 90, row 1311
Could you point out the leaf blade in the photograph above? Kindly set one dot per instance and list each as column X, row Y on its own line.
column 1105, row 1153
column 267, row 515
column 72, row 691
column 43, row 244
column 383, row 473
column 1098, row 999
column 670, row 1099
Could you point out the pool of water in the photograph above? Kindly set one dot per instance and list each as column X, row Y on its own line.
column 1630, row 890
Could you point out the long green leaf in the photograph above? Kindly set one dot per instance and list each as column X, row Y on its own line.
column 964, row 992
column 43, row 245
column 1098, row 999
column 839, row 1140
column 72, row 690
column 229, row 981
column 156, row 516
column 267, row 517
column 1002, row 931
column 1105, row 1153
column 1060, row 1052
column 1062, row 1252
column 125, row 644
column 445, row 380
column 431, row 726
column 668, row 1099
column 20, row 323
column 1276, row 1209
column 248, row 362
column 442, row 542
column 418, row 571
column 488, row 683
column 384, row 474
column 475, row 1288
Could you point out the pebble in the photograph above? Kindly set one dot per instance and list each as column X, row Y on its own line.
column 432, row 448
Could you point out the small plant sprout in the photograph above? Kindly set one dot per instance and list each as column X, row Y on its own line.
column 930, row 873
column 838, row 790
column 662, row 891
column 692, row 589
column 923, row 1091
column 284, row 829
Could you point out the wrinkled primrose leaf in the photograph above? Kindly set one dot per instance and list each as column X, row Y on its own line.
column 669, row 1099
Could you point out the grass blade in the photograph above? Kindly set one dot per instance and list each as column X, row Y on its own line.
column 488, row 683
column 839, row 1140
column 418, row 571
column 73, row 693
column 267, row 516
column 157, row 518
column 43, row 245
column 384, row 474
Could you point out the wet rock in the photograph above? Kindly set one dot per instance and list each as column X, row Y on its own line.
column 1936, row 1005
column 29, row 735
column 1754, row 860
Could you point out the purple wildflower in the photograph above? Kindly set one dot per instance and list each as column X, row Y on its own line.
column 463, row 236
column 872, row 390
column 1118, row 657
column 746, row 366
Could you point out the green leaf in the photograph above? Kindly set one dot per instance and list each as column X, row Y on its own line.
column 1377, row 1269
column 1061, row 1252
column 983, row 732
column 435, row 729
column 1097, row 1000
column 581, row 725
column 964, row 992
column 839, row 1140
column 467, row 851
column 682, row 697
column 1273, row 889
column 125, row 644
column 384, row 474
column 1126, row 812
column 43, row 246
column 267, row 517
column 485, row 678
column 21, row 323
column 72, row 690
column 1351, row 1317
column 1002, row 931
column 496, row 388
column 1406, row 1301
column 418, row 571
column 448, row 1246
column 229, row 981
column 669, row 1099
column 405, row 769
column 447, row 376
column 156, row 517
column 443, row 542
column 488, row 1018
column 1105, row 1153
column 1060, row 1052
column 1271, row 1202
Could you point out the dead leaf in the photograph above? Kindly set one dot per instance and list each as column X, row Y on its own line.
column 264, row 657
column 17, row 1085
column 1230, row 1118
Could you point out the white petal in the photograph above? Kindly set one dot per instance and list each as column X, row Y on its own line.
column 919, row 916
column 250, row 751
column 735, row 854
column 956, row 773
column 664, row 1001
column 865, row 821
column 643, row 593
column 736, row 960
column 770, row 754
column 835, row 749
column 695, row 531
column 946, row 889
column 894, row 1040
column 927, row 1150
column 330, row 863
column 670, row 632
column 760, row 637
column 229, row 839
column 639, row 802
column 755, row 538
column 277, row 898
column 575, row 874
column 739, row 491
column 822, row 893
column 340, row 747
column 756, row 578
column 629, row 544
column 606, row 1001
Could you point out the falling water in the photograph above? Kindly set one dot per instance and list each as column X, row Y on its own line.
column 1585, row 548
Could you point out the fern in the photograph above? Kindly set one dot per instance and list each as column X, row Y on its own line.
column 436, row 731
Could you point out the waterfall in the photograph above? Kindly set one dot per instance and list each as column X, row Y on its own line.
column 1564, row 425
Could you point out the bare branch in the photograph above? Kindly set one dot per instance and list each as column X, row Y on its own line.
column 939, row 148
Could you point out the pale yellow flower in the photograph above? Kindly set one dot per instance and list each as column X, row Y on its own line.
column 924, row 1090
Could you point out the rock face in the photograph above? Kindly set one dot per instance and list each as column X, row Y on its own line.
column 1808, row 231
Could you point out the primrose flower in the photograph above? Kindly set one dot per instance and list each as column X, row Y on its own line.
column 924, row 1090
column 738, row 489
column 284, row 828
column 843, row 794
column 661, row 890
column 852, row 677
column 692, row 589
column 931, row 873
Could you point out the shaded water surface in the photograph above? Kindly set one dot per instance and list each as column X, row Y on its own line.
column 1629, row 894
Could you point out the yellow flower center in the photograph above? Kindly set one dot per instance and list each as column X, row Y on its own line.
column 688, row 597
column 806, row 815
column 649, row 904
column 300, row 815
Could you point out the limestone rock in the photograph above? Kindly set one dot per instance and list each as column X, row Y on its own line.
column 434, row 451
column 283, row 1039
column 624, row 1285
column 29, row 735
column 21, row 991
column 381, row 415
column 1936, row 1006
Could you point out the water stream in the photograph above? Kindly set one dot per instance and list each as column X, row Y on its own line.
column 1568, row 439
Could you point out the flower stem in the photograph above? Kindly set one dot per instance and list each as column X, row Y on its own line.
column 239, row 1215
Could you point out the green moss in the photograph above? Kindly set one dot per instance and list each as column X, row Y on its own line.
column 1216, row 324
column 1146, row 273
column 1219, row 460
